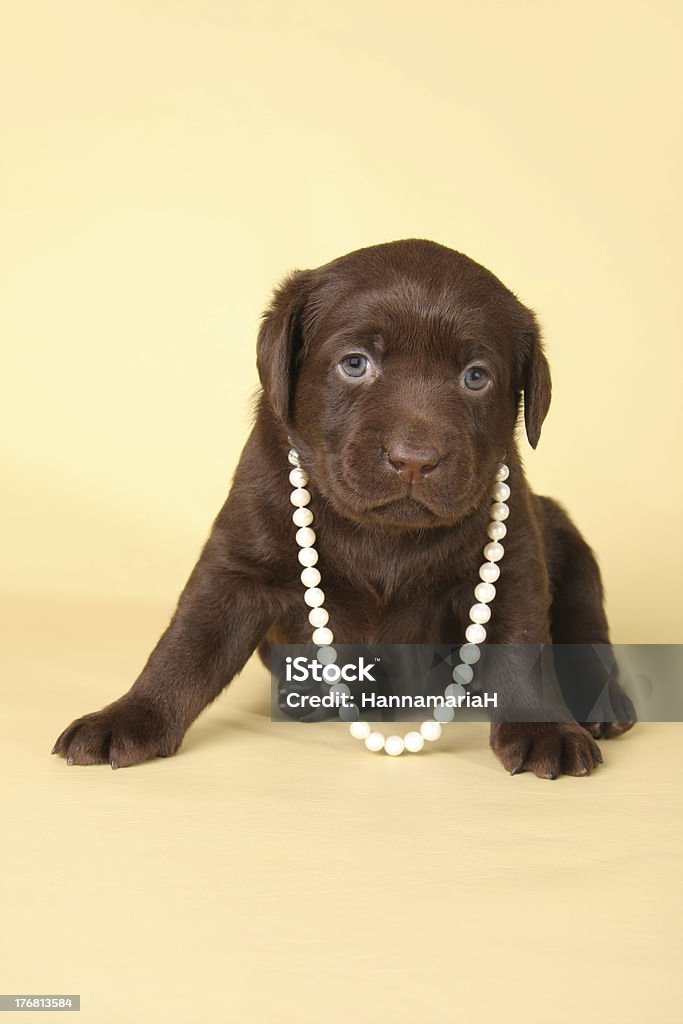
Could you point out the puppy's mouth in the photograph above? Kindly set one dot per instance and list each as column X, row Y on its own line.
column 387, row 502
column 405, row 509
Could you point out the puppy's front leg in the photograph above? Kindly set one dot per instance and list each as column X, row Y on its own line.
column 223, row 613
column 527, row 687
column 546, row 740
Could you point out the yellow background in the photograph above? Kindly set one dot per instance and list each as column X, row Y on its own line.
column 164, row 165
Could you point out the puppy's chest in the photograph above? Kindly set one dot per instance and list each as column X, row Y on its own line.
column 410, row 611
column 391, row 593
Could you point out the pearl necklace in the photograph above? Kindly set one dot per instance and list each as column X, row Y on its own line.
column 475, row 634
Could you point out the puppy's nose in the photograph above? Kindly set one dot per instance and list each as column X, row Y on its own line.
column 411, row 462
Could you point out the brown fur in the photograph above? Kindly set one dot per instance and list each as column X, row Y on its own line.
column 400, row 463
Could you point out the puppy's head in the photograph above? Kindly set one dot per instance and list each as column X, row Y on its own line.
column 398, row 370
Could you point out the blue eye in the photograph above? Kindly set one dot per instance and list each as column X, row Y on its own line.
column 476, row 378
column 355, row 365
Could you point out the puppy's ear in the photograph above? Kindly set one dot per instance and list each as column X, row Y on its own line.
column 536, row 381
column 280, row 339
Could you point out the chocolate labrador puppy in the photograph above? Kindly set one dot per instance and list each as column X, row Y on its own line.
column 398, row 372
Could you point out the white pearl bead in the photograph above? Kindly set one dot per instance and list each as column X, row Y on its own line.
column 314, row 597
column 496, row 530
column 360, row 730
column 444, row 714
column 308, row 556
column 463, row 674
column 499, row 511
column 430, row 731
column 318, row 617
column 393, row 745
column 298, row 477
column 326, row 656
column 300, row 496
column 476, row 634
column 375, row 741
column 499, row 491
column 311, row 577
column 413, row 742
column 470, row 654
column 305, row 537
column 488, row 572
column 494, row 552
column 485, row 592
column 323, row 636
column 503, row 473
column 302, row 517
column 480, row 613
column 293, row 457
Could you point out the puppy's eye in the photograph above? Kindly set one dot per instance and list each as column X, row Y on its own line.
column 355, row 365
column 476, row 378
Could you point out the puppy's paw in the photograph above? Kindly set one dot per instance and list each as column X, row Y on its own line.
column 547, row 749
column 624, row 713
column 607, row 730
column 124, row 733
